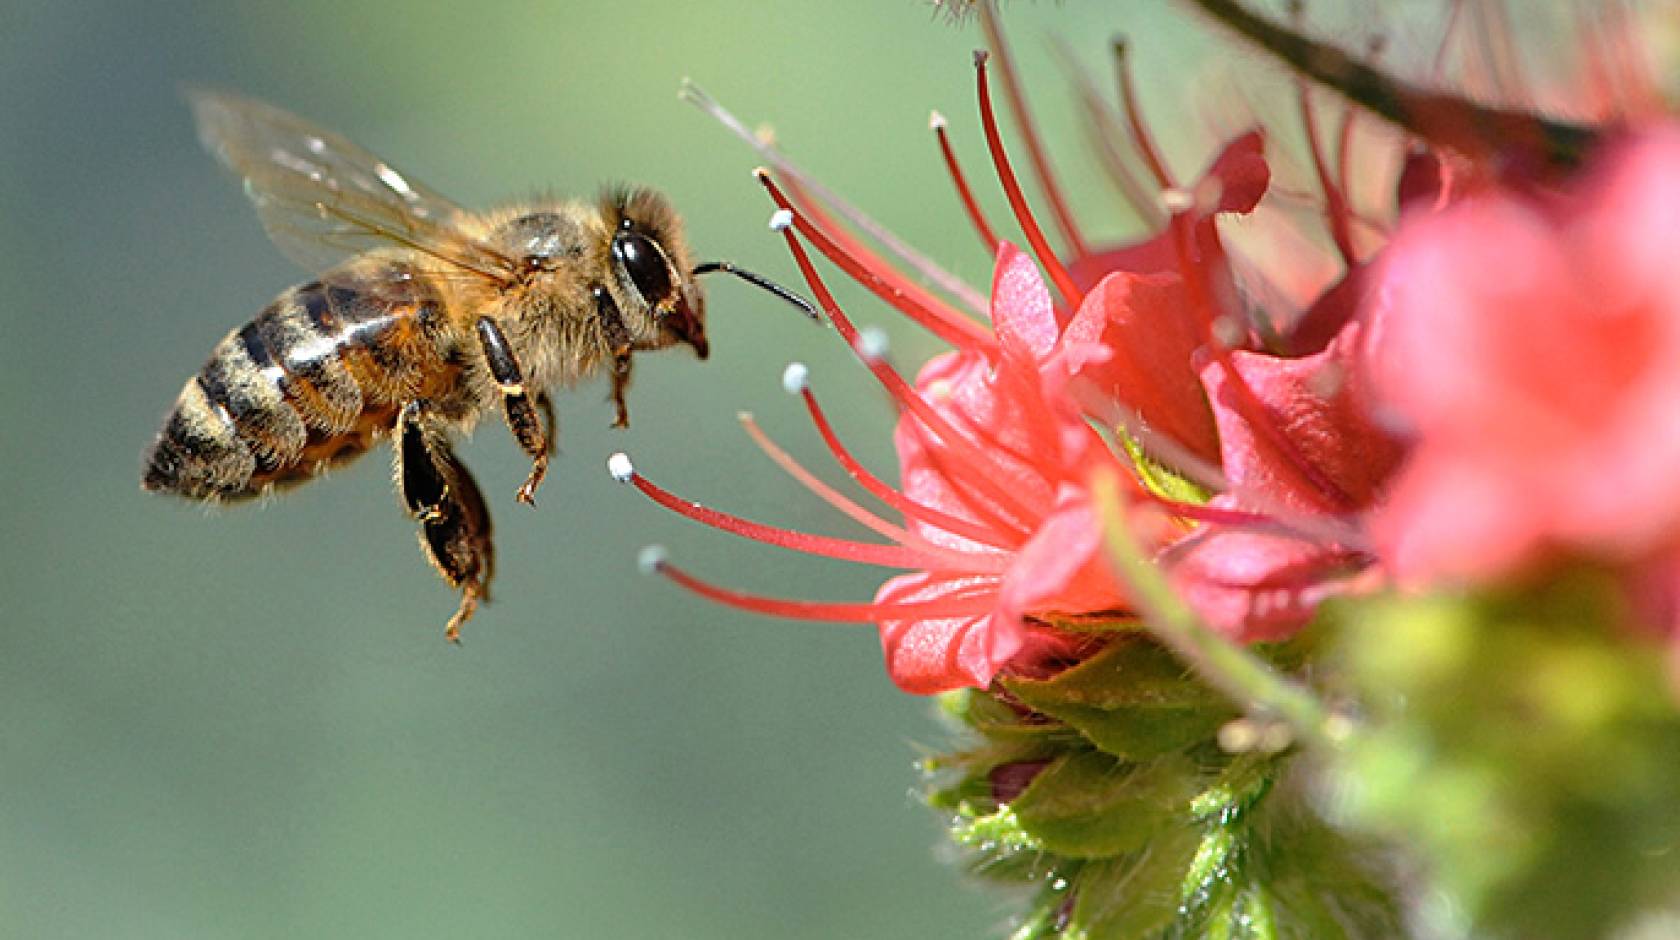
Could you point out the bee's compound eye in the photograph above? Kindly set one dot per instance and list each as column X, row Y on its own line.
column 646, row 265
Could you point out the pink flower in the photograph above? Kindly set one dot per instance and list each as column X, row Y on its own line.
column 1302, row 458
column 1532, row 345
column 1150, row 322
column 1017, row 483
column 999, row 528
column 1154, row 341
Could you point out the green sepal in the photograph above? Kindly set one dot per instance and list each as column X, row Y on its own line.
column 1133, row 671
column 1270, row 868
column 1156, row 478
column 1133, row 895
column 1133, row 700
column 1091, row 805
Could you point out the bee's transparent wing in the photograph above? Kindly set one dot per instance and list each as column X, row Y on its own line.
column 322, row 198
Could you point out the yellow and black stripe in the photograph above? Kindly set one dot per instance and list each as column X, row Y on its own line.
column 312, row 381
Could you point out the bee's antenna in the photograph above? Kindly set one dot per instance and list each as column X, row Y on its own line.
column 759, row 280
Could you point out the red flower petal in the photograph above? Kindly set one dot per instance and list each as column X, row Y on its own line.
column 928, row 656
column 1022, row 314
column 1241, row 172
column 1063, row 568
column 1252, row 586
column 1151, row 339
column 1316, row 406
column 1236, row 180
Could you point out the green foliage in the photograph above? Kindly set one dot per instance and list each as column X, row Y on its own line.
column 1132, row 823
column 1526, row 746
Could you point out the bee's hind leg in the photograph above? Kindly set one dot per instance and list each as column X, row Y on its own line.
column 535, row 436
column 440, row 493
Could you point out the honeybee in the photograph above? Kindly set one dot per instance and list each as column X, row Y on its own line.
column 425, row 316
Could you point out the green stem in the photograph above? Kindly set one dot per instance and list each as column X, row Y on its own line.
column 1249, row 681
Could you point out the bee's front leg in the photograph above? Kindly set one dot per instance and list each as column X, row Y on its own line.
column 521, row 414
column 620, row 384
column 618, row 340
column 454, row 522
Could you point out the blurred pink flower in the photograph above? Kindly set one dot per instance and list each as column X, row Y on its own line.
column 1532, row 346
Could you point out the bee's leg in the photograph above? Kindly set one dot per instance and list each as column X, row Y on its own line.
column 620, row 383
column 545, row 408
column 521, row 414
column 454, row 522
column 618, row 339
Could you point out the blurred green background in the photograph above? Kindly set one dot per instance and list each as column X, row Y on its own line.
column 246, row 723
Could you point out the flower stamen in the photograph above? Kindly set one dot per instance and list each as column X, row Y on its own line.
column 1335, row 202
column 917, row 261
column 930, row 312
column 1107, row 138
column 967, row 604
column 976, row 465
column 1029, row 132
column 956, row 559
column 988, row 238
column 1012, row 189
column 1141, row 138
column 865, row 553
column 878, row 488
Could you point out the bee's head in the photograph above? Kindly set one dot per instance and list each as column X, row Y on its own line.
column 654, row 272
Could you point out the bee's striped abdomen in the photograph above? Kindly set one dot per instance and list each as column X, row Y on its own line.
column 313, row 380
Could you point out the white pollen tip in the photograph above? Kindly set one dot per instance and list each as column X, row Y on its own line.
column 936, row 121
column 781, row 220
column 620, row 467
column 651, row 558
column 872, row 343
column 1177, row 200
column 796, row 378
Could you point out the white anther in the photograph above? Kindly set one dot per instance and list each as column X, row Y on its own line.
column 872, row 343
column 936, row 121
column 780, row 220
column 1177, row 200
column 1239, row 736
column 651, row 558
column 796, row 378
column 620, row 467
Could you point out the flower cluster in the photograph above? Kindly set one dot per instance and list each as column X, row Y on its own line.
column 1480, row 403
column 1259, row 436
